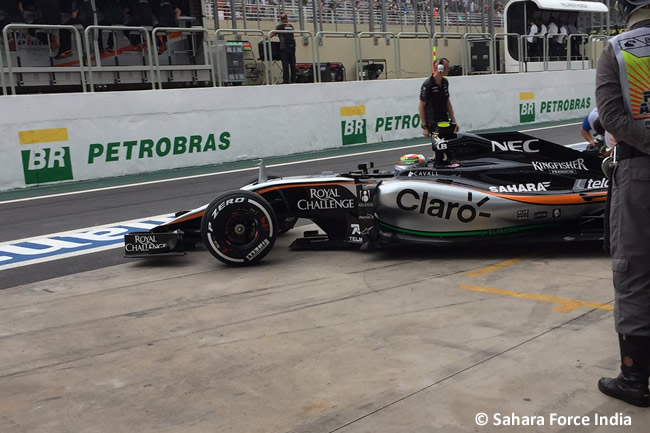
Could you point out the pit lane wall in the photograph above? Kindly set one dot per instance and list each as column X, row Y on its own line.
column 47, row 139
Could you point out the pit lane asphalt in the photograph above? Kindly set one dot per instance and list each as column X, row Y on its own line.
column 393, row 341
column 29, row 218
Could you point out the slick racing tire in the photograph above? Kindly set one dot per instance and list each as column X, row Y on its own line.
column 239, row 228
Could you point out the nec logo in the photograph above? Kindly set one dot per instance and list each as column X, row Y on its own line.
column 516, row 146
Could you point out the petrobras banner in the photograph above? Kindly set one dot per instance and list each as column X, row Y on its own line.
column 46, row 139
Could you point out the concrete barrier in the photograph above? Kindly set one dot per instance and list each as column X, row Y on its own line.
column 69, row 137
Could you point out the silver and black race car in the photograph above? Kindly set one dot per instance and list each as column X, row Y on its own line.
column 488, row 187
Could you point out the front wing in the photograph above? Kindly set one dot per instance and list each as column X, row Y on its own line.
column 147, row 244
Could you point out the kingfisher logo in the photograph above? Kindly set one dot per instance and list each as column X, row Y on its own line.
column 45, row 163
column 526, row 107
column 353, row 125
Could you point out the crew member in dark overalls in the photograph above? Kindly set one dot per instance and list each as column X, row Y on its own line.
column 287, row 50
column 436, row 112
column 623, row 99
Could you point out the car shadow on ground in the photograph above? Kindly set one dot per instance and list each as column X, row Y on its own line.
column 585, row 250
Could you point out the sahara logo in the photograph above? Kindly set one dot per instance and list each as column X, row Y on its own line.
column 526, row 107
column 43, row 164
column 353, row 124
column 522, row 187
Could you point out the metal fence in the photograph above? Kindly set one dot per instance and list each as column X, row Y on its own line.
column 253, row 12
column 89, row 63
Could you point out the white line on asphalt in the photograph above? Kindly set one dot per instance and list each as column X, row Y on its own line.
column 204, row 175
column 550, row 127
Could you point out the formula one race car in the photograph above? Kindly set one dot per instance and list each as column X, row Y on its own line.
column 500, row 186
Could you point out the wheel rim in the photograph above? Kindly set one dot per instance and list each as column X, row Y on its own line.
column 241, row 229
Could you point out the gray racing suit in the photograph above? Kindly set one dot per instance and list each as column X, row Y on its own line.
column 623, row 99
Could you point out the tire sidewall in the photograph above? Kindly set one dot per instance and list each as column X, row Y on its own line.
column 219, row 211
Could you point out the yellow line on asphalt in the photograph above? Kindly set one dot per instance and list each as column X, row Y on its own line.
column 566, row 305
column 34, row 136
column 495, row 267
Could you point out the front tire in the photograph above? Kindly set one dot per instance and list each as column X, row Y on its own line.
column 239, row 228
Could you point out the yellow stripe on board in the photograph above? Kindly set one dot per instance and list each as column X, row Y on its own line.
column 353, row 110
column 566, row 305
column 523, row 96
column 43, row 135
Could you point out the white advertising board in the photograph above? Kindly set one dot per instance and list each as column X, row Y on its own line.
column 68, row 137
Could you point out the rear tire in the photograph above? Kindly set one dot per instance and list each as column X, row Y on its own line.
column 239, row 228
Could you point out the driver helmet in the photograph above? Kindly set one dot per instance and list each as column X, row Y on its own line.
column 627, row 7
column 412, row 160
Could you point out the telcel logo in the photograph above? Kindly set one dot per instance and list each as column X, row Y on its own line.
column 410, row 200
column 45, row 164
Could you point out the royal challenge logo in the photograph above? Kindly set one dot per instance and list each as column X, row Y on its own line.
column 526, row 107
column 353, row 124
column 45, row 159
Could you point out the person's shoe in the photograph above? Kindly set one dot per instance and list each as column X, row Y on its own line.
column 629, row 387
column 63, row 55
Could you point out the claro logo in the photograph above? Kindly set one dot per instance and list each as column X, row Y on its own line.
column 410, row 200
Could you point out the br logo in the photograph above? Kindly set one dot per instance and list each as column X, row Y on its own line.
column 353, row 125
column 43, row 164
column 526, row 107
